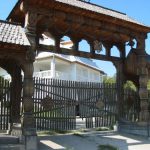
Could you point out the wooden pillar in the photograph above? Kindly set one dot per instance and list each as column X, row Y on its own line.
column 75, row 45
column 57, row 43
column 28, row 89
column 15, row 96
column 92, row 50
column 142, row 72
column 28, row 121
column 16, row 87
column 108, row 47
column 121, row 47
column 120, row 83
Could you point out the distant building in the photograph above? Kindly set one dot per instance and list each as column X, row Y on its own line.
column 58, row 66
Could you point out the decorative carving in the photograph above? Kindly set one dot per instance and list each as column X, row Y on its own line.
column 100, row 104
column 131, row 43
column 47, row 103
column 28, row 104
column 141, row 45
column 28, row 87
column 30, row 22
column 98, row 46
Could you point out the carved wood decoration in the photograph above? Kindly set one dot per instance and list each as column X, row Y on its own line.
column 65, row 19
column 75, row 23
column 47, row 103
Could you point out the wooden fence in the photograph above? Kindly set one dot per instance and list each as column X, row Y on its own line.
column 131, row 106
column 4, row 104
column 56, row 103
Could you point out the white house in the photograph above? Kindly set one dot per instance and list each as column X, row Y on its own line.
column 58, row 66
column 50, row 65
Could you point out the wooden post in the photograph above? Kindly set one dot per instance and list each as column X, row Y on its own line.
column 142, row 72
column 120, row 83
column 75, row 48
column 28, row 120
column 16, row 87
column 57, row 43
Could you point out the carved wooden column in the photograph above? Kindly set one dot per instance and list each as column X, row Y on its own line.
column 121, row 47
column 142, row 72
column 28, row 121
column 92, row 50
column 57, row 43
column 108, row 47
column 16, row 87
column 75, row 44
column 15, row 96
column 120, row 83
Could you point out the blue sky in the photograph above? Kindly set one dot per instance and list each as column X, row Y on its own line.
column 137, row 9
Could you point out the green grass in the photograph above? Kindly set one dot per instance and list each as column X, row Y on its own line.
column 42, row 133
column 107, row 147
column 63, row 131
column 103, row 129
column 78, row 134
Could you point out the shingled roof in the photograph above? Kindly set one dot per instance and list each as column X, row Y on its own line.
column 99, row 9
column 12, row 34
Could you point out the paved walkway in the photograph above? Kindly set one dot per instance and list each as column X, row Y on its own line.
column 91, row 140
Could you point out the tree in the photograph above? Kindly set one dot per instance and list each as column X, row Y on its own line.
column 148, row 85
column 130, row 85
column 109, row 80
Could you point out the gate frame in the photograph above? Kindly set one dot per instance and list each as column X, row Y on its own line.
column 78, row 23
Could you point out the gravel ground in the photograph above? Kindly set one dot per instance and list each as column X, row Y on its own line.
column 91, row 140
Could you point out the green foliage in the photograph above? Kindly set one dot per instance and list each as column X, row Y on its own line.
column 78, row 134
column 106, row 147
column 53, row 132
column 103, row 129
column 43, row 133
column 130, row 85
column 148, row 85
column 109, row 80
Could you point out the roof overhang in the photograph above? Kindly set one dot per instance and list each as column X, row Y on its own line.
column 79, row 8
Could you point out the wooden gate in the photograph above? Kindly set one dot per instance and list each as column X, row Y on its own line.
column 98, row 104
column 4, row 104
column 131, row 106
column 55, row 103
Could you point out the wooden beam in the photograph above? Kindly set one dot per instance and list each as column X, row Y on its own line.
column 45, row 48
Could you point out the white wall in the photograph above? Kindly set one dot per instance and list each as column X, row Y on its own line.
column 87, row 74
column 3, row 72
column 68, row 71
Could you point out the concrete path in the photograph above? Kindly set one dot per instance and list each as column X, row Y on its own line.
column 91, row 140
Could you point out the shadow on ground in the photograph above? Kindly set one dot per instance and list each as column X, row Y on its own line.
column 91, row 141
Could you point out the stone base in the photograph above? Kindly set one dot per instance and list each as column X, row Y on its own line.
column 16, row 130
column 141, row 129
column 31, row 143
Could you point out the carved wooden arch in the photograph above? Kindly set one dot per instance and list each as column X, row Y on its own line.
column 8, row 63
column 11, row 65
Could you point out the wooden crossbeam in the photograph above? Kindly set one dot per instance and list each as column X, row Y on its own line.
column 45, row 48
